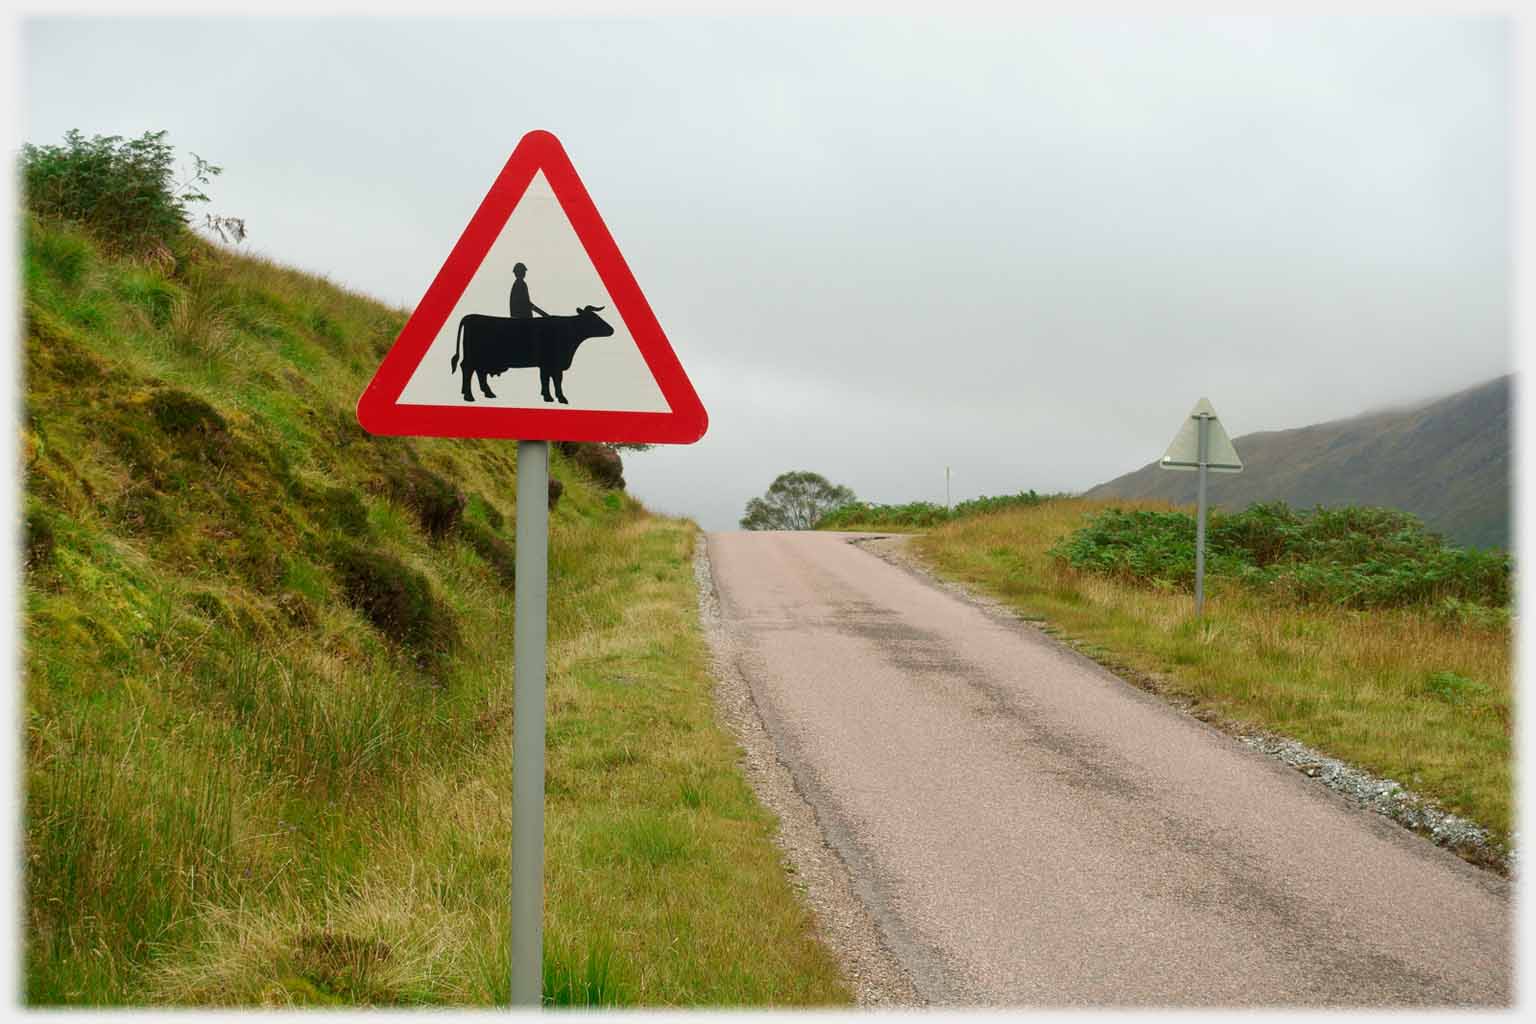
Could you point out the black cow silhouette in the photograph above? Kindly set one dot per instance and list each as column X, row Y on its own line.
column 495, row 344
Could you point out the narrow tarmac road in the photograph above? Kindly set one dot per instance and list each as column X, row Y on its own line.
column 1026, row 829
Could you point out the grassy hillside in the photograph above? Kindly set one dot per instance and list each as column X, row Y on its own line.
column 268, row 680
column 1420, row 691
column 1447, row 462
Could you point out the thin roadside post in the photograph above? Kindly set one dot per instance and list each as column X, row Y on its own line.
column 1201, row 445
column 1205, row 465
column 530, row 631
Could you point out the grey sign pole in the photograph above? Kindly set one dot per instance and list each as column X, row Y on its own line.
column 1205, row 464
column 1201, row 445
column 529, row 633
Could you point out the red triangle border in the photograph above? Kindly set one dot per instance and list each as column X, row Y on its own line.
column 377, row 408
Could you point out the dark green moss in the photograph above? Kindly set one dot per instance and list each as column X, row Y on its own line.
column 55, row 349
column 181, row 414
column 397, row 599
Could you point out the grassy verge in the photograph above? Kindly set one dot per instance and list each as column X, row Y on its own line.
column 1398, row 692
column 268, row 681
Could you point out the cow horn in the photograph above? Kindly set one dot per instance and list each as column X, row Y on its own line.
column 592, row 309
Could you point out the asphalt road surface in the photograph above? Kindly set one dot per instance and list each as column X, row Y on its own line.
column 1026, row 829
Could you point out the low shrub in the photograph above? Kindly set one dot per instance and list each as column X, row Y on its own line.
column 920, row 514
column 397, row 599
column 1355, row 557
column 1455, row 689
column 439, row 506
column 124, row 191
column 600, row 461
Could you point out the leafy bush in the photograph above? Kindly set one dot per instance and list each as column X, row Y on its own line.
column 1357, row 557
column 1454, row 689
column 124, row 191
column 984, row 504
column 919, row 514
column 912, row 514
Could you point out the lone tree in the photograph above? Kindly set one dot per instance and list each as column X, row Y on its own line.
column 795, row 501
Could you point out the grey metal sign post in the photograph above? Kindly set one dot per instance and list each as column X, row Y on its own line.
column 1201, row 444
column 529, row 633
column 1204, row 472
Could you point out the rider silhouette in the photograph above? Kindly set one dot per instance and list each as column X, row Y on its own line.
column 522, row 306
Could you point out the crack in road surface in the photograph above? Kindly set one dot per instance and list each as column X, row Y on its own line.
column 1020, row 827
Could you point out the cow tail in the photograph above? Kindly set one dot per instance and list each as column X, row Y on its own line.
column 458, row 338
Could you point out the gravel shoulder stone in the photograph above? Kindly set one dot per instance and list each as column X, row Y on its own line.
column 1386, row 797
column 818, row 873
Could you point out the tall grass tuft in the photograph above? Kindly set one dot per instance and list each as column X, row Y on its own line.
column 582, row 976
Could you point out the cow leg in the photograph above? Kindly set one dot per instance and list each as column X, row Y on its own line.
column 544, row 384
column 485, row 389
column 559, row 375
column 467, row 371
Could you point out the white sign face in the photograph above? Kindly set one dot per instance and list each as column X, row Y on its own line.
column 606, row 373
column 1184, row 452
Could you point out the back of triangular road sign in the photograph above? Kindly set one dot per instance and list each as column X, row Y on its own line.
column 1184, row 451
column 534, row 328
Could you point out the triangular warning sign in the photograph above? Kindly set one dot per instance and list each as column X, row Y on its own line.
column 1184, row 451
column 534, row 328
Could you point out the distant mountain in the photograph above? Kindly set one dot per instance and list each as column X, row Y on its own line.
column 1447, row 461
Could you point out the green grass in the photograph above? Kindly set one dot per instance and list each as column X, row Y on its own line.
column 1417, row 693
column 268, row 682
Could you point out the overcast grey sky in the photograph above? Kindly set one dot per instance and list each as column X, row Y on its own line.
column 1022, row 249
